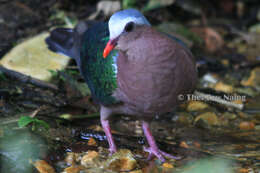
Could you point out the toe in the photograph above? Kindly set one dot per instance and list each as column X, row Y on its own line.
column 159, row 154
column 169, row 155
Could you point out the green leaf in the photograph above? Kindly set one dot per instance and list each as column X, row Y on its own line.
column 42, row 123
column 25, row 120
column 153, row 4
column 129, row 4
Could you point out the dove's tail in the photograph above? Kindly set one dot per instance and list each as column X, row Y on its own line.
column 61, row 40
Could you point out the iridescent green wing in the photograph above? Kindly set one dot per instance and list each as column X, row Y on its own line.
column 100, row 73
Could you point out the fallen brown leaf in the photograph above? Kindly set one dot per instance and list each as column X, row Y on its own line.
column 212, row 38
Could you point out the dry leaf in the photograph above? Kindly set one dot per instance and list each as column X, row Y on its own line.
column 212, row 38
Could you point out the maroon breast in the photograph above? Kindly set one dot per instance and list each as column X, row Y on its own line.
column 152, row 71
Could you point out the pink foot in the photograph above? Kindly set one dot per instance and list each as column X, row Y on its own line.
column 153, row 150
column 159, row 154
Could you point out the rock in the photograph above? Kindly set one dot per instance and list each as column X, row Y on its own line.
column 43, row 167
column 183, row 118
column 242, row 115
column 209, row 79
column 229, row 116
column 253, row 104
column 183, row 144
column 97, row 170
column 243, row 170
column 257, row 127
column 167, row 165
column 254, row 79
column 70, row 158
column 196, row 106
column 207, row 119
column 196, row 144
column 247, row 91
column 73, row 169
column 238, row 100
column 225, row 62
column 220, row 86
column 246, row 125
column 136, row 171
column 123, row 160
column 32, row 58
column 92, row 142
column 89, row 159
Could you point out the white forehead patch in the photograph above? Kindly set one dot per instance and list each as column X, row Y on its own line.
column 118, row 21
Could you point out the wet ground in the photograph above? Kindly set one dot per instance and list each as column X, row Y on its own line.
column 217, row 129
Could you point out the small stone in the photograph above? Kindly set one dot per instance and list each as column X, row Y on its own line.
column 167, row 165
column 257, row 127
column 183, row 144
column 254, row 79
column 183, row 118
column 220, row 86
column 89, row 159
column 229, row 116
column 243, row 115
column 70, row 158
column 243, row 170
column 137, row 171
column 238, row 101
column 246, row 125
column 73, row 169
column 246, row 91
column 92, row 142
column 207, row 119
column 123, row 160
column 224, row 121
column 196, row 144
column 95, row 127
column 196, row 106
column 225, row 62
column 209, row 79
column 43, row 167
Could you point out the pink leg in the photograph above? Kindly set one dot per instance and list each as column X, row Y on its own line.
column 106, row 127
column 104, row 115
column 153, row 149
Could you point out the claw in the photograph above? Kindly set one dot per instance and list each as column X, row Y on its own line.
column 159, row 154
column 153, row 150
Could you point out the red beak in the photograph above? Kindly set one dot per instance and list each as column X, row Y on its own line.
column 109, row 47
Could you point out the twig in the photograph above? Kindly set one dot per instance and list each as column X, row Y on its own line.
column 34, row 113
column 209, row 97
column 27, row 79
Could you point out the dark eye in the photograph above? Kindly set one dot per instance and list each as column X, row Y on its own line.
column 129, row 27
